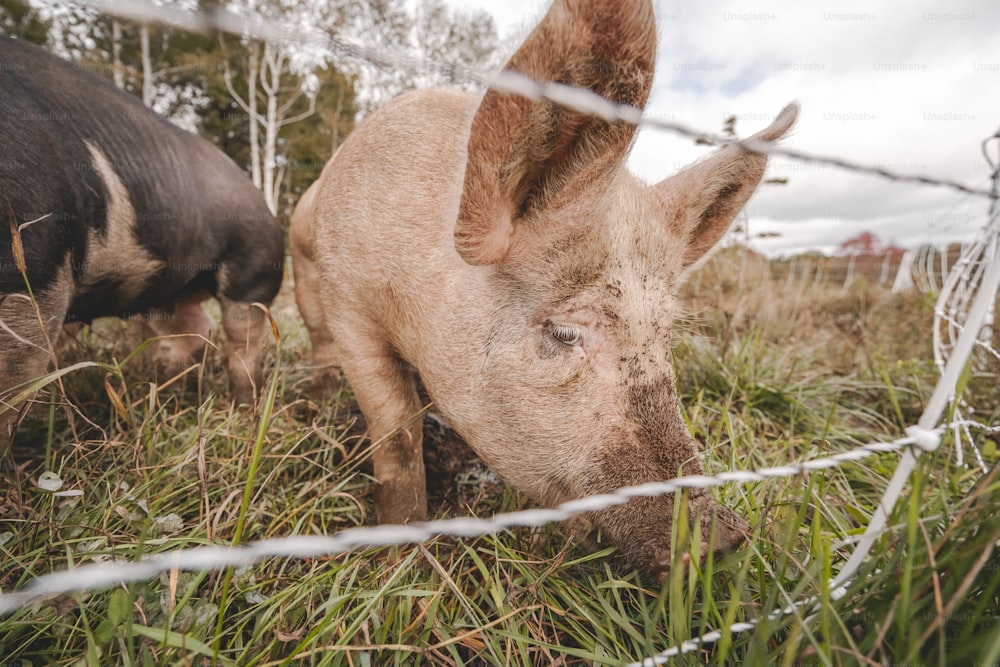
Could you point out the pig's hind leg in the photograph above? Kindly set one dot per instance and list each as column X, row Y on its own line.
column 325, row 364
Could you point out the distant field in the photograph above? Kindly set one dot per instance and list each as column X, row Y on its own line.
column 772, row 369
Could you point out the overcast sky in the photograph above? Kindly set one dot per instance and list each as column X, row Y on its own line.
column 907, row 85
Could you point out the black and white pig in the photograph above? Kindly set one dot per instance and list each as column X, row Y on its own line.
column 107, row 209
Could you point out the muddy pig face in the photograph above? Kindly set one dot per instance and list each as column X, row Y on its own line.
column 586, row 263
column 579, row 366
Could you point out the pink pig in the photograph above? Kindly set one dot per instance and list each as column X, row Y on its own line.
column 497, row 249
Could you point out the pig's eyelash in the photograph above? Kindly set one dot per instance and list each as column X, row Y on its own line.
column 566, row 335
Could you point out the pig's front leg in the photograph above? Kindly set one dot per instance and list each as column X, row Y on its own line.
column 386, row 390
column 183, row 329
column 246, row 330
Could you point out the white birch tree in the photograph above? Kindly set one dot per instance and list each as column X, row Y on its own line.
column 268, row 102
column 277, row 77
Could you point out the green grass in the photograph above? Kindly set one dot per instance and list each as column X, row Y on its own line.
column 168, row 469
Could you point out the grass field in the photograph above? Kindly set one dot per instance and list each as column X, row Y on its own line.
column 769, row 374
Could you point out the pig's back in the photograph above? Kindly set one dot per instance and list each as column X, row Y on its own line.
column 386, row 208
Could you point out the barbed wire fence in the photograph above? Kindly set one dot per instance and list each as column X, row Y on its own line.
column 963, row 324
column 963, row 321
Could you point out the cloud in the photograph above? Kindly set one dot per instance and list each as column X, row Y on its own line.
column 906, row 86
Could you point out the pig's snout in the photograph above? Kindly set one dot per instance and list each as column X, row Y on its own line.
column 642, row 529
column 726, row 530
column 723, row 531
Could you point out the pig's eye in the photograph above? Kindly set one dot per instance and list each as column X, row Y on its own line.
column 569, row 336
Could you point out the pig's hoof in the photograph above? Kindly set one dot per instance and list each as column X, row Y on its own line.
column 244, row 397
column 400, row 513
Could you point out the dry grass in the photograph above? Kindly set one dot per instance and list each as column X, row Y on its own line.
column 775, row 373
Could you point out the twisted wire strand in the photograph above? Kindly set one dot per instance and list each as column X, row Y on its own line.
column 102, row 575
column 577, row 99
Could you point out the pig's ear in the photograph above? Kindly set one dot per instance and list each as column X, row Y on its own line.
column 705, row 197
column 526, row 156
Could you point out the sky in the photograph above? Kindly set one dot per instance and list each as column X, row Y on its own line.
column 907, row 85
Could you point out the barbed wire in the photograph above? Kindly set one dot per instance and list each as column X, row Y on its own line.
column 958, row 289
column 102, row 575
column 577, row 99
column 958, row 326
column 925, row 436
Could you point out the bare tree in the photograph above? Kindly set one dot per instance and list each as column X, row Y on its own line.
column 279, row 77
column 276, row 82
column 268, row 103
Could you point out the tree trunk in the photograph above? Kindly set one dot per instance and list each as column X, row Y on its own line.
column 253, row 72
column 147, row 66
column 117, row 68
column 271, row 82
